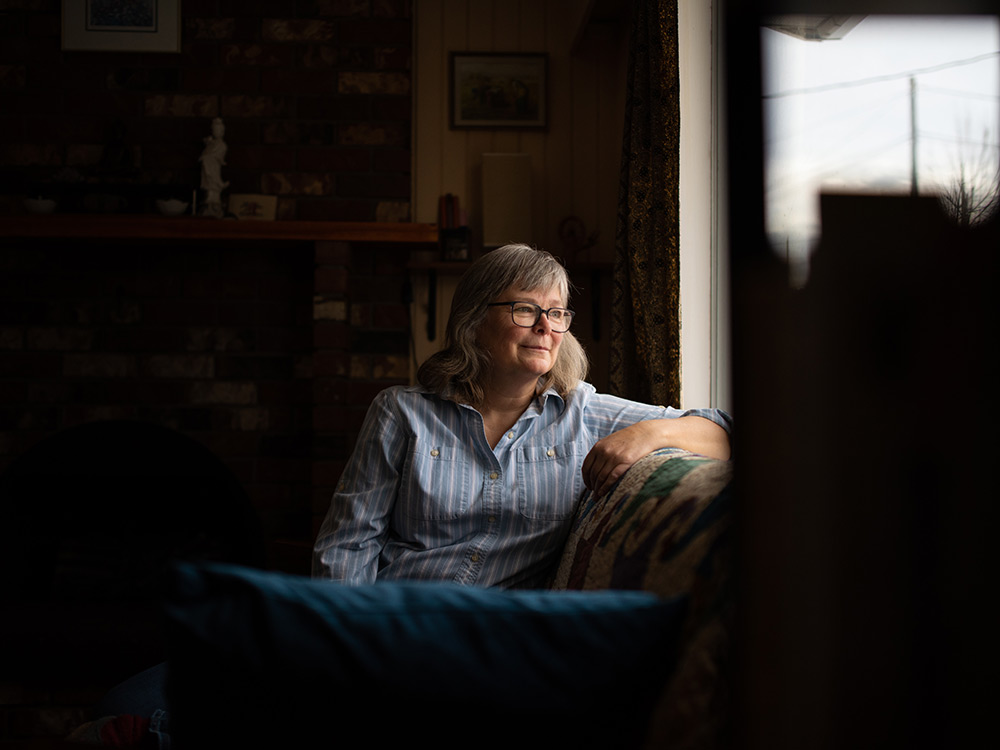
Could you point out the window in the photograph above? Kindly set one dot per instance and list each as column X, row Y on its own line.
column 876, row 104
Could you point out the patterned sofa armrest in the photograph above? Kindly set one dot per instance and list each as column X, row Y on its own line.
column 666, row 527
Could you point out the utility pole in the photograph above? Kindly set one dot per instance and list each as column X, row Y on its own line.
column 914, row 187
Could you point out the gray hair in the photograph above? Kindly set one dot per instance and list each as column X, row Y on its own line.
column 458, row 370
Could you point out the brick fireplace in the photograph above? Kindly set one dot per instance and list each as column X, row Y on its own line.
column 250, row 350
column 265, row 347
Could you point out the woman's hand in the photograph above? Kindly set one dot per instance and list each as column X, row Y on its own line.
column 612, row 456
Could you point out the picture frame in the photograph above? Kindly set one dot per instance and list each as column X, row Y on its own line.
column 498, row 90
column 107, row 25
column 251, row 207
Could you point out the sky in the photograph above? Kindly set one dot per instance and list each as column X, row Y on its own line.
column 838, row 113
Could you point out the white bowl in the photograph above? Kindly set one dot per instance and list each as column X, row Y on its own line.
column 172, row 207
column 40, row 205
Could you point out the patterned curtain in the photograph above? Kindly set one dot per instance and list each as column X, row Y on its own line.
column 645, row 325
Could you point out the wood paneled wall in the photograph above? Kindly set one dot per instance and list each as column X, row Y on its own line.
column 575, row 161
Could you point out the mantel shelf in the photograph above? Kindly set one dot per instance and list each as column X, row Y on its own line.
column 196, row 228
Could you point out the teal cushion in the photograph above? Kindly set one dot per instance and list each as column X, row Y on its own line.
column 268, row 657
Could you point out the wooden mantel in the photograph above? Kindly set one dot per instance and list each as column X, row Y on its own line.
column 195, row 228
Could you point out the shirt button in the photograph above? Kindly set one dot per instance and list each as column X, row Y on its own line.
column 474, row 557
column 550, row 452
column 492, row 519
column 493, row 475
column 435, row 453
column 510, row 435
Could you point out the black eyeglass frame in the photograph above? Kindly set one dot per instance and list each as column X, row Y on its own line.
column 538, row 314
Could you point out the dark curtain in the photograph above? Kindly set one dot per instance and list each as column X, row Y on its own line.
column 645, row 326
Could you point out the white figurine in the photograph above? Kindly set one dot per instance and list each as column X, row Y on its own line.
column 212, row 159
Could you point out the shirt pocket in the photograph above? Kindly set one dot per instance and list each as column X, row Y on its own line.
column 436, row 482
column 549, row 480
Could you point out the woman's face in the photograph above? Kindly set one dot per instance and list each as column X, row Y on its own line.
column 521, row 353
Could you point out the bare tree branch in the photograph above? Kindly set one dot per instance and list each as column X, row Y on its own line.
column 974, row 194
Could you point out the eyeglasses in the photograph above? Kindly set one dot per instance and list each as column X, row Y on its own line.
column 527, row 315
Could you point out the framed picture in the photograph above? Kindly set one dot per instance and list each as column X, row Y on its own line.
column 253, row 207
column 498, row 90
column 112, row 25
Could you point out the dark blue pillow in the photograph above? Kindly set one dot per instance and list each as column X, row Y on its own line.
column 271, row 658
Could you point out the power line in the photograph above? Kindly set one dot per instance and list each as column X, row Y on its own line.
column 830, row 167
column 883, row 78
column 957, row 141
column 956, row 92
column 820, row 121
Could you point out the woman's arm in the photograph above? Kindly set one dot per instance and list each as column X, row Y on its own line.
column 613, row 455
column 356, row 526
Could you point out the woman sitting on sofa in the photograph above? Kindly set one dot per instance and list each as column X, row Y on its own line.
column 473, row 475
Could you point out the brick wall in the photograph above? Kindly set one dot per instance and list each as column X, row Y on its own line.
column 315, row 95
column 266, row 353
column 215, row 341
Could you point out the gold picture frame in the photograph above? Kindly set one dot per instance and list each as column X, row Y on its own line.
column 498, row 90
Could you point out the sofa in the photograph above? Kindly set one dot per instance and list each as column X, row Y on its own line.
column 667, row 528
column 627, row 646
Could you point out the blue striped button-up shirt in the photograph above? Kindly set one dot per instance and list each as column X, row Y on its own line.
column 425, row 497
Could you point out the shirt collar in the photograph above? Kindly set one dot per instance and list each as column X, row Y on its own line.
column 537, row 405
column 544, row 396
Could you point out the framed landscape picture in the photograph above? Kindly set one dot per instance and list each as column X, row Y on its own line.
column 498, row 90
column 116, row 26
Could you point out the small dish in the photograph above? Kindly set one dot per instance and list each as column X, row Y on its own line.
column 172, row 207
column 39, row 205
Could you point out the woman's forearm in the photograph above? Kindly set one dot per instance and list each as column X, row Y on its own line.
column 695, row 434
column 612, row 456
